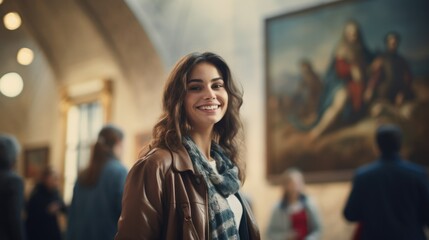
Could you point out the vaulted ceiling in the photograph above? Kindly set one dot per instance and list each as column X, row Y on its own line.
column 76, row 40
column 72, row 32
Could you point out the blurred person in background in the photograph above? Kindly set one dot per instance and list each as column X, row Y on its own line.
column 389, row 197
column 187, row 185
column 96, row 203
column 43, row 208
column 11, row 191
column 295, row 217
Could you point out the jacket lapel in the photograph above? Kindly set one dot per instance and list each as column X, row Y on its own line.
column 181, row 160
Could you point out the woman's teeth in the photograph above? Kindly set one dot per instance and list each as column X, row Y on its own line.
column 211, row 107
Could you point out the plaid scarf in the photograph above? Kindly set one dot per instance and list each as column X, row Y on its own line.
column 220, row 186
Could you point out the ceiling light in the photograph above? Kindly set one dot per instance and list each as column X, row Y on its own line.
column 25, row 56
column 11, row 84
column 12, row 20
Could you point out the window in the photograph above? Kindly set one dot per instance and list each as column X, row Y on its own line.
column 84, row 121
column 86, row 111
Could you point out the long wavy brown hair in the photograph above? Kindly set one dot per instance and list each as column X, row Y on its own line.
column 103, row 150
column 173, row 124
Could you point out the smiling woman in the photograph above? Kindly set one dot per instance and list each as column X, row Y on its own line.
column 187, row 184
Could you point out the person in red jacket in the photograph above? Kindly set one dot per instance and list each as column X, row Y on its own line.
column 295, row 217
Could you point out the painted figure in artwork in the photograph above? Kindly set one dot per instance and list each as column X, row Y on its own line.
column 391, row 77
column 341, row 101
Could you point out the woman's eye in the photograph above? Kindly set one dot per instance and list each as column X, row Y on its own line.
column 194, row 88
column 218, row 85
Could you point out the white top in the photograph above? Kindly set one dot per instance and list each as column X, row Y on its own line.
column 295, row 207
column 234, row 203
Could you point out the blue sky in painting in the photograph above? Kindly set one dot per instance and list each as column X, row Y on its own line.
column 313, row 34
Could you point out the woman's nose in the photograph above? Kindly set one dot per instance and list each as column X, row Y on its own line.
column 210, row 94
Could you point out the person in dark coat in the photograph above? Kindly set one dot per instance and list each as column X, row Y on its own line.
column 43, row 208
column 11, row 191
column 389, row 197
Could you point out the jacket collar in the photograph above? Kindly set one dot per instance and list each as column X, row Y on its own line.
column 181, row 160
column 393, row 157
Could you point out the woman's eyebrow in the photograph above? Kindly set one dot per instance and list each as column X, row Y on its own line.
column 200, row 80
column 218, row 78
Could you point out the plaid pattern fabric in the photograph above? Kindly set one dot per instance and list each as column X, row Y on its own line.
column 220, row 186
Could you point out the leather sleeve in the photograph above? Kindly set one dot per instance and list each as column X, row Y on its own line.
column 142, row 201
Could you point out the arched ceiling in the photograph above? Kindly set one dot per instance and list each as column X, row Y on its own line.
column 74, row 32
column 76, row 40
column 182, row 26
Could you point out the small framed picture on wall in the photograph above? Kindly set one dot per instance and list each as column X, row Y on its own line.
column 35, row 160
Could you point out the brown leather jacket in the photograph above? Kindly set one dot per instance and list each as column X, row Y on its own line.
column 165, row 199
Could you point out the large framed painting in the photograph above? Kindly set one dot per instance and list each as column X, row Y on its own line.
column 335, row 72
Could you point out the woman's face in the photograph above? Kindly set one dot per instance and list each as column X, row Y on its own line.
column 392, row 43
column 290, row 185
column 351, row 32
column 206, row 99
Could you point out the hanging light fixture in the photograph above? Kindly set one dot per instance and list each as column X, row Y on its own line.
column 25, row 56
column 12, row 20
column 11, row 84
